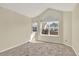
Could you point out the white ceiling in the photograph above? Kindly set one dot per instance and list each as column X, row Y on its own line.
column 34, row 9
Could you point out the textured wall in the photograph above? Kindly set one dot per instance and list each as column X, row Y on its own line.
column 15, row 29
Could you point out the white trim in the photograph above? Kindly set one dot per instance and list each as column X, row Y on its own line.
column 74, row 51
column 72, row 48
column 48, row 31
column 12, row 47
column 26, row 42
column 50, row 35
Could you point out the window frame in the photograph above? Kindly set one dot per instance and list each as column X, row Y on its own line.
column 48, row 30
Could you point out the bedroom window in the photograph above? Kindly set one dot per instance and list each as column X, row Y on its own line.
column 34, row 27
column 50, row 28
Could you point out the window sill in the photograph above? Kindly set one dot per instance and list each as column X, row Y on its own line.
column 50, row 35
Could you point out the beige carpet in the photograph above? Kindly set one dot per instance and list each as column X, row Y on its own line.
column 40, row 49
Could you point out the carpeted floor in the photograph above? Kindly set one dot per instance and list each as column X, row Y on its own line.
column 40, row 49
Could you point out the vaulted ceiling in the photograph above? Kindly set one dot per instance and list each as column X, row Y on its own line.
column 34, row 9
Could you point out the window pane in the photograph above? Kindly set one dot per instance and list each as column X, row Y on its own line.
column 50, row 28
column 54, row 28
column 53, row 31
column 45, row 28
column 34, row 27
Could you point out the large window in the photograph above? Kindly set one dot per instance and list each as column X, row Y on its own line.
column 50, row 28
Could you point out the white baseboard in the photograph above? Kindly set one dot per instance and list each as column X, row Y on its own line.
column 75, row 51
column 72, row 48
column 26, row 42
column 12, row 47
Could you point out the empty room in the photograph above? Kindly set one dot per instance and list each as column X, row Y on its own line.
column 39, row 29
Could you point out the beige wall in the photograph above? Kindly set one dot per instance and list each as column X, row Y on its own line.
column 65, row 19
column 75, row 29
column 67, row 28
column 15, row 29
column 50, row 13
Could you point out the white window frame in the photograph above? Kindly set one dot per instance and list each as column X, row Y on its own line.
column 48, row 30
